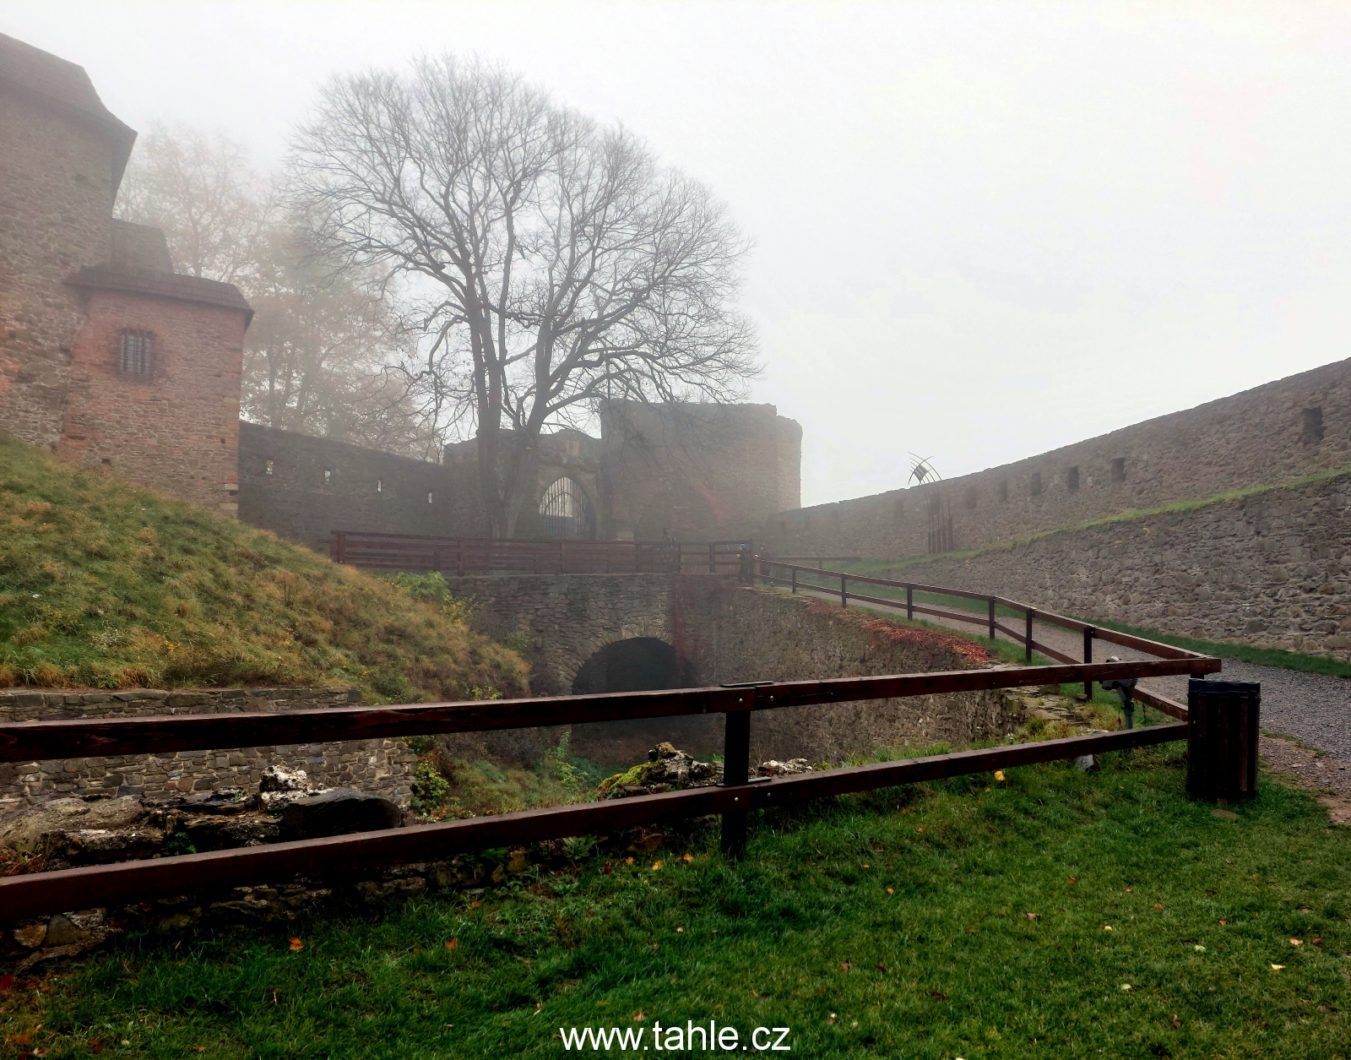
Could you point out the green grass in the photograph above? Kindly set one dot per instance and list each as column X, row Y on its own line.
column 964, row 918
column 104, row 585
column 1286, row 660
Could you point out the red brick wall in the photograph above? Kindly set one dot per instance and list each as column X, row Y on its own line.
column 177, row 431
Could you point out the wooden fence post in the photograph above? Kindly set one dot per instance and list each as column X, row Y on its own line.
column 992, row 629
column 1089, row 633
column 844, row 592
column 794, row 579
column 910, row 602
column 1222, row 731
column 736, row 769
column 1027, row 637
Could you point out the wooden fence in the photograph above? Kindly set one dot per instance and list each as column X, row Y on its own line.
column 1215, row 743
column 916, row 598
column 460, row 556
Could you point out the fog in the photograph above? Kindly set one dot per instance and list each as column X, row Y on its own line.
column 981, row 231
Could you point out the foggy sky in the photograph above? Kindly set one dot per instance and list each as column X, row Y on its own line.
column 982, row 230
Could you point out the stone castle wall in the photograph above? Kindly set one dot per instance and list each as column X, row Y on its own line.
column 380, row 767
column 699, row 472
column 56, row 196
column 304, row 488
column 1272, row 569
column 1264, row 436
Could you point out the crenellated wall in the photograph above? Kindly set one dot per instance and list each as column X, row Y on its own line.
column 304, row 488
column 1264, row 436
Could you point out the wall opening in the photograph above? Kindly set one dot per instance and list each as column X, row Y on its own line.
column 1119, row 469
column 1313, row 425
column 566, row 512
column 639, row 664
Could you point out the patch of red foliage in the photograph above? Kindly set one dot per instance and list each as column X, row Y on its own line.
column 969, row 653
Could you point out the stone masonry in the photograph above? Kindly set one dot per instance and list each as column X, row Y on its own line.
column 380, row 767
column 1269, row 435
column 1272, row 569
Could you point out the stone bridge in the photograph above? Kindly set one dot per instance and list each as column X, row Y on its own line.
column 586, row 633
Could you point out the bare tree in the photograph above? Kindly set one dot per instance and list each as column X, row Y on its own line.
column 318, row 355
column 549, row 261
column 201, row 191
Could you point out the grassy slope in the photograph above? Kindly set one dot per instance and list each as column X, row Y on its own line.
column 895, row 924
column 104, row 585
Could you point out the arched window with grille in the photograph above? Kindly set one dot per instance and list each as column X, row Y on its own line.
column 136, row 354
column 566, row 512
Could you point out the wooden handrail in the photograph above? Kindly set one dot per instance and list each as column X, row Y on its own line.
column 36, row 741
column 354, row 855
column 1125, row 640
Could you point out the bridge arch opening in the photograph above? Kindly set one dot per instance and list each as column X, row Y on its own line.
column 637, row 664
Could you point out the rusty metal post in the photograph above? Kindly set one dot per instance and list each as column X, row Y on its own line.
column 736, row 770
column 1222, row 732
column 1089, row 634
column 1027, row 637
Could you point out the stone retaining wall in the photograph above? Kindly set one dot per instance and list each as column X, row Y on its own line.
column 1272, row 569
column 381, row 767
column 769, row 636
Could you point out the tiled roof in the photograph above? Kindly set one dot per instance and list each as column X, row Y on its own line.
column 163, row 285
column 65, row 86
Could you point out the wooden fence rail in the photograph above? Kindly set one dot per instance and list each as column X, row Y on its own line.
column 836, row 584
column 461, row 556
column 61, row 890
